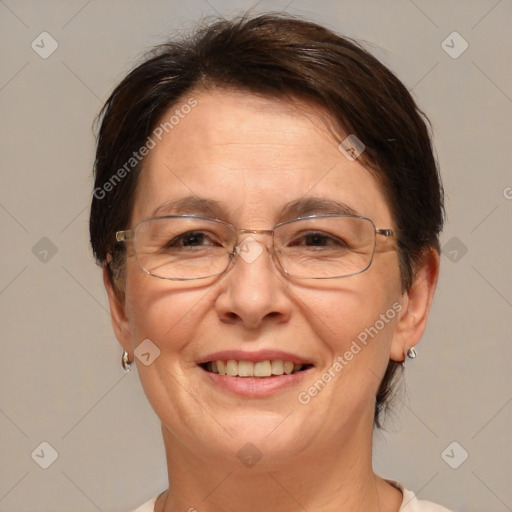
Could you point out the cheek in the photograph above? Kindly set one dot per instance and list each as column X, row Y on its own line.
column 171, row 318
column 162, row 311
column 355, row 324
column 356, row 336
column 347, row 313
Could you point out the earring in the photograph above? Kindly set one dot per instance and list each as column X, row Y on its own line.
column 125, row 362
column 411, row 352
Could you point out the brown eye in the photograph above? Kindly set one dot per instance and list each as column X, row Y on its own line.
column 317, row 239
column 191, row 239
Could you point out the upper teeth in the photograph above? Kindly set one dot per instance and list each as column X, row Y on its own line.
column 249, row 369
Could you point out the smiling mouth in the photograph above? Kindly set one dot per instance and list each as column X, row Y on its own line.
column 259, row 369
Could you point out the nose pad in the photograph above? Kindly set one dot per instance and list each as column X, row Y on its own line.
column 249, row 250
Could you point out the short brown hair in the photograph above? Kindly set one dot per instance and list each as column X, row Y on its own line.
column 278, row 55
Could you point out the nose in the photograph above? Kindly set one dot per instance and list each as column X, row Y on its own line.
column 253, row 292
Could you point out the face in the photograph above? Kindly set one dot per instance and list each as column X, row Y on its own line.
column 261, row 161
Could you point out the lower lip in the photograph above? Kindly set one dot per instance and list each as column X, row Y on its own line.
column 254, row 387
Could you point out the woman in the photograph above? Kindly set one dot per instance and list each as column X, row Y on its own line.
column 266, row 212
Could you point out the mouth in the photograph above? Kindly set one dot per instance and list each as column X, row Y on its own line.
column 266, row 369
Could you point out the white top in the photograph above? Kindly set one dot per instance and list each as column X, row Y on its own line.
column 409, row 504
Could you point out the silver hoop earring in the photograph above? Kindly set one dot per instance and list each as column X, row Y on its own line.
column 125, row 362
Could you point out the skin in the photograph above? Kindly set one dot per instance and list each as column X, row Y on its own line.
column 254, row 156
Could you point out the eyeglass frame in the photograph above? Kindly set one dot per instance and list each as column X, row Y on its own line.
column 128, row 235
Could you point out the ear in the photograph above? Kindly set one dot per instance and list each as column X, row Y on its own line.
column 416, row 303
column 117, row 310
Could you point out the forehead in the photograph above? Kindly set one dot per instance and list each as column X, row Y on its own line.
column 253, row 156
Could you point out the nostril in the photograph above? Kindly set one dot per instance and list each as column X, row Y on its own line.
column 230, row 317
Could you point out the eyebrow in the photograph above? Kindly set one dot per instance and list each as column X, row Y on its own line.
column 316, row 205
column 189, row 205
column 211, row 208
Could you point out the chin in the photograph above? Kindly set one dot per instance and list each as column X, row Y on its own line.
column 278, row 435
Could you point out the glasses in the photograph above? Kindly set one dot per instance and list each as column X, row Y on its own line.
column 187, row 247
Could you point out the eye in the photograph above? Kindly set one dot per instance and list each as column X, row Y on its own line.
column 192, row 239
column 317, row 239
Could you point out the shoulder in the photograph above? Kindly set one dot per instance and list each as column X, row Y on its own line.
column 409, row 503
column 149, row 506
column 412, row 504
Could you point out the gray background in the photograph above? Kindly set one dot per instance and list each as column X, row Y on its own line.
column 60, row 378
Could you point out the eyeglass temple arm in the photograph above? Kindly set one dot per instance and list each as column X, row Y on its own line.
column 386, row 232
column 123, row 236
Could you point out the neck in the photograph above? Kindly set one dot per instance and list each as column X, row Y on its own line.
column 322, row 478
